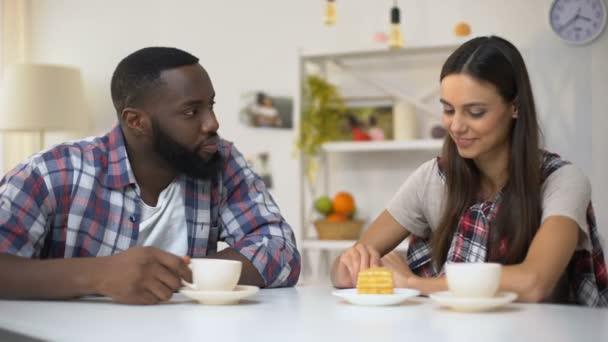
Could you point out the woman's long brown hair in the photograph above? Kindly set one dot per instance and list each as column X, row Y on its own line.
column 495, row 60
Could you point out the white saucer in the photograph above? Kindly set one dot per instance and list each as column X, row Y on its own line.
column 446, row 298
column 220, row 297
column 397, row 297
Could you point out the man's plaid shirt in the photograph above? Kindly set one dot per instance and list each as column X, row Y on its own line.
column 81, row 199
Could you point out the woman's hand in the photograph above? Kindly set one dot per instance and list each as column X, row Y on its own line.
column 351, row 261
column 383, row 235
column 401, row 271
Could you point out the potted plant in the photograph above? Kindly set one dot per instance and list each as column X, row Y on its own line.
column 322, row 110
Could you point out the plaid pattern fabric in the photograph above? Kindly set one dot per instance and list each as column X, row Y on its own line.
column 81, row 199
column 586, row 272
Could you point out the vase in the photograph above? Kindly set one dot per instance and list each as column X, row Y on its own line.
column 405, row 123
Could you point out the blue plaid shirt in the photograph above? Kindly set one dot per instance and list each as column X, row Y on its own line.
column 81, row 199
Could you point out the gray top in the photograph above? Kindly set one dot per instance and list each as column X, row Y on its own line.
column 418, row 203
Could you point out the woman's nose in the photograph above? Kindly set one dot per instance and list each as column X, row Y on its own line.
column 458, row 123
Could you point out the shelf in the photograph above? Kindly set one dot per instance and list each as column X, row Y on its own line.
column 375, row 53
column 368, row 146
column 338, row 245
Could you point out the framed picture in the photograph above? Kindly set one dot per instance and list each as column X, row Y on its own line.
column 368, row 120
column 259, row 109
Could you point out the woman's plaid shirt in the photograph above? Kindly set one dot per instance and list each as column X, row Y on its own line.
column 586, row 273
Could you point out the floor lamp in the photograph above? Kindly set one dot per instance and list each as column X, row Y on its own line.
column 39, row 98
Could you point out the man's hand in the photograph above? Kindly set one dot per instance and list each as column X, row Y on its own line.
column 142, row 275
column 401, row 271
column 351, row 261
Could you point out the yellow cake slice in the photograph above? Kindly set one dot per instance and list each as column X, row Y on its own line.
column 375, row 280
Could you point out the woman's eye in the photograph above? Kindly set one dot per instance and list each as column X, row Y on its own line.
column 448, row 110
column 477, row 112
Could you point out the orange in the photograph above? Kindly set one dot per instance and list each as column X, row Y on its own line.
column 336, row 218
column 343, row 203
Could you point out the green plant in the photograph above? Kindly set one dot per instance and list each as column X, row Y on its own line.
column 322, row 110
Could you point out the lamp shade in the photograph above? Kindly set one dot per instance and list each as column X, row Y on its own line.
column 39, row 97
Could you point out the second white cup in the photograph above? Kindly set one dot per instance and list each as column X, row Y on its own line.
column 473, row 279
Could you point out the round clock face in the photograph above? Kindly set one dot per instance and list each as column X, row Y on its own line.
column 578, row 21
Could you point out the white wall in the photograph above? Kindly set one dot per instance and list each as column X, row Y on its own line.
column 249, row 45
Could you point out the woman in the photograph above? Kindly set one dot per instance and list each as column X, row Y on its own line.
column 493, row 195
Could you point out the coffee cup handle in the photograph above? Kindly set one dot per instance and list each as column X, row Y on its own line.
column 189, row 285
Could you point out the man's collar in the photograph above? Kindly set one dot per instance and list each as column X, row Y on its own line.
column 119, row 173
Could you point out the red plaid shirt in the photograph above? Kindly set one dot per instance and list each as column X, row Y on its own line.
column 586, row 273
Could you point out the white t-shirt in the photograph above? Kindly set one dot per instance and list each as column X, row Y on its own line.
column 164, row 226
column 418, row 203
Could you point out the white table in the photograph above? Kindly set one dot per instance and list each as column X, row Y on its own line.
column 304, row 313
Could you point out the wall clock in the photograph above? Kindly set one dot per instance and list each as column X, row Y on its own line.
column 578, row 21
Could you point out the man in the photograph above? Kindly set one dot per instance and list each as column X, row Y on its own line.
column 113, row 215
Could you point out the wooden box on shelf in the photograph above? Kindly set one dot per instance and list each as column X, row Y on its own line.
column 346, row 230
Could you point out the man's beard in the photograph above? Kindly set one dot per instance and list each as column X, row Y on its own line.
column 184, row 160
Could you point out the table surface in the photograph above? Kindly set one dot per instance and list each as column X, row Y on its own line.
column 303, row 313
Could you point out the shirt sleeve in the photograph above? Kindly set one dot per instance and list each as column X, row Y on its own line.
column 253, row 225
column 408, row 205
column 24, row 203
column 567, row 192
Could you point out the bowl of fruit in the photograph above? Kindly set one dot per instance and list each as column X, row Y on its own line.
column 337, row 222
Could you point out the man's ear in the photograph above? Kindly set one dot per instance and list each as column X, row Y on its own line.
column 136, row 120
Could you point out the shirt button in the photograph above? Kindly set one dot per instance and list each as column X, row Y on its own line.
column 132, row 218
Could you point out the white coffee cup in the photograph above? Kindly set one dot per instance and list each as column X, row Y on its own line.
column 214, row 274
column 479, row 279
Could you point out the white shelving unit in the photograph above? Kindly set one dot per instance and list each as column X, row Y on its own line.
column 410, row 75
column 337, row 245
column 371, row 146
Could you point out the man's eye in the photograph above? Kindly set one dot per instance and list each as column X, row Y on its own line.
column 448, row 110
column 190, row 112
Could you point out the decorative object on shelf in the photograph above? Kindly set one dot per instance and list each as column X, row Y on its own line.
column 357, row 122
column 322, row 111
column 343, row 204
column 380, row 37
column 337, row 222
column 375, row 133
column 395, row 37
column 578, row 22
column 330, row 16
column 323, row 205
column 405, row 123
column 345, row 230
column 357, row 130
column 462, row 29
column 438, row 132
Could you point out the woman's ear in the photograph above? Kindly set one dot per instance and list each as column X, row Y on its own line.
column 514, row 110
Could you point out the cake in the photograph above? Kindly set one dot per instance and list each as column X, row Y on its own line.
column 375, row 280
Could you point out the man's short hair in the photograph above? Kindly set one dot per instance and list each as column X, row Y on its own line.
column 140, row 71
